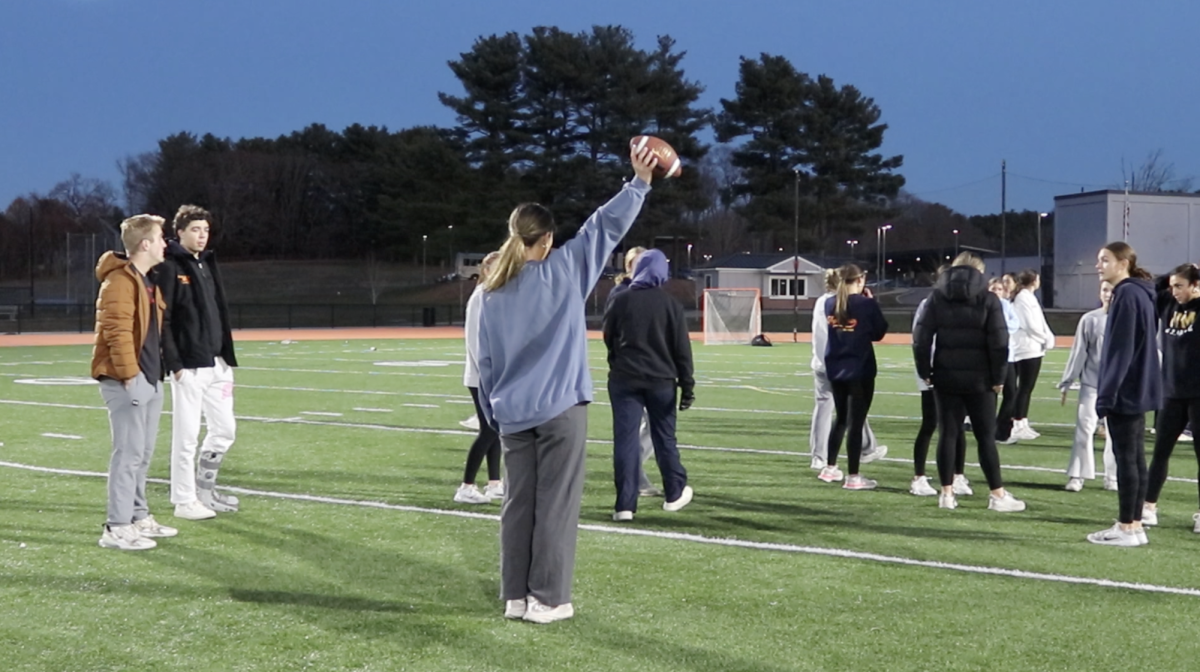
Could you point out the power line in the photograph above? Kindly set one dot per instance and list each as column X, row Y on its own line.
column 961, row 186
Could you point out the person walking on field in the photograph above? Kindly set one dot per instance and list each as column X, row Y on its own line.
column 487, row 442
column 1083, row 365
column 1130, row 385
column 198, row 350
column 1180, row 339
column 966, row 371
column 1030, row 344
column 855, row 323
column 127, row 360
column 649, row 356
column 535, row 386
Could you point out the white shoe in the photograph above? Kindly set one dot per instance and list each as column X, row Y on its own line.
column 1028, row 432
column 514, row 609
column 947, row 501
column 473, row 424
column 467, row 493
column 1196, row 519
column 1005, row 504
column 536, row 612
column 830, row 474
column 1114, row 536
column 817, row 463
column 857, row 482
column 1110, row 484
column 217, row 501
column 125, row 538
column 194, row 510
column 623, row 516
column 494, row 491
column 684, row 498
column 650, row 492
column 1012, row 438
column 921, row 488
column 1074, row 485
column 149, row 527
column 1149, row 516
column 1141, row 536
column 962, row 487
column 876, row 454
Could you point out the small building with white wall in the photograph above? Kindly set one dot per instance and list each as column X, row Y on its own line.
column 1164, row 229
column 774, row 275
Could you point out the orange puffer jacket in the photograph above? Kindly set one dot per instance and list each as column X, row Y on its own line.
column 122, row 317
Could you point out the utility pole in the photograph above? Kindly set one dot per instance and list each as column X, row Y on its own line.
column 796, row 262
column 1003, row 222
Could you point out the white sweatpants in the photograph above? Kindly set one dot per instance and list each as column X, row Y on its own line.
column 207, row 392
column 822, row 420
column 1083, row 457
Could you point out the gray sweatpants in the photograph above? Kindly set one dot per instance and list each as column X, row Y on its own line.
column 647, row 452
column 539, row 523
column 133, row 416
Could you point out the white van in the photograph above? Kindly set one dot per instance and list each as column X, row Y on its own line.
column 466, row 264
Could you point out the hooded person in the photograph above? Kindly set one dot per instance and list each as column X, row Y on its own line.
column 649, row 356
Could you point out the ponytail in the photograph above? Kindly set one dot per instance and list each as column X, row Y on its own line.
column 508, row 265
column 847, row 275
column 526, row 225
column 1025, row 280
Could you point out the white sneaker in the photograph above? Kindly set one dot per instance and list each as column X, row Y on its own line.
column 876, row 454
column 623, row 516
column 921, row 488
column 194, row 510
column 1110, row 484
column 494, row 491
column 149, row 527
column 962, row 487
column 684, row 498
column 1196, row 518
column 817, row 463
column 1024, row 431
column 1141, row 536
column 1074, row 485
column 1114, row 536
column 858, row 482
column 1005, row 504
column 514, row 609
column 1012, row 438
column 536, row 612
column 651, row 491
column 947, row 501
column 830, row 474
column 1149, row 516
column 471, row 423
column 467, row 493
column 125, row 538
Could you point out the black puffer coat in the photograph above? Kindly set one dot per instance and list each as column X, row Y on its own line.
column 961, row 341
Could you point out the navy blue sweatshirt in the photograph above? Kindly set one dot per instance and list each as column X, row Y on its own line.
column 849, row 354
column 1130, row 375
column 1181, row 350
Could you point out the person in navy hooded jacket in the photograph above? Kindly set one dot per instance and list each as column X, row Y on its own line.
column 649, row 355
column 1130, row 384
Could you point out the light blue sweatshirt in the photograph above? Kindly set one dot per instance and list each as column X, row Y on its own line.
column 532, row 333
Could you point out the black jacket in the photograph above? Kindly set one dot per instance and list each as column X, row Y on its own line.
column 183, row 346
column 961, row 341
column 1130, row 374
column 647, row 338
column 1181, row 350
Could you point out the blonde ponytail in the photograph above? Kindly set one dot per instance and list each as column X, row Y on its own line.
column 848, row 274
column 527, row 224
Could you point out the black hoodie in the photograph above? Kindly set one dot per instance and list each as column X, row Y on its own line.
column 967, row 322
column 1181, row 350
column 192, row 334
column 1130, row 375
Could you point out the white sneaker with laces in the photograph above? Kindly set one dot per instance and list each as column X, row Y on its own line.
column 879, row 452
column 1074, row 485
column 685, row 498
column 817, row 463
column 622, row 516
column 1149, row 516
column 1005, row 504
column 149, row 527
column 1024, row 431
column 858, row 482
column 494, row 491
column 125, row 538
column 830, row 474
column 1114, row 536
column 921, row 488
column 194, row 510
column 962, row 487
column 467, row 493
column 536, row 612
column 947, row 501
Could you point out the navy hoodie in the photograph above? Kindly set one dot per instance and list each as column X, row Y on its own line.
column 1130, row 375
column 849, row 354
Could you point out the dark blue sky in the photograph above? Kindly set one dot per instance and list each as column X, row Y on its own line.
column 1062, row 89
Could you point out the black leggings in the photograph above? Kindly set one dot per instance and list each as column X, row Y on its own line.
column 851, row 403
column 1008, row 403
column 1027, row 375
column 487, row 444
column 1128, row 435
column 1172, row 420
column 952, row 410
column 929, row 423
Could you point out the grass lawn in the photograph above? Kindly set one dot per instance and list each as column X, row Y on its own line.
column 349, row 554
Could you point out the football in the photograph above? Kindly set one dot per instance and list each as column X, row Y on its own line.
column 669, row 164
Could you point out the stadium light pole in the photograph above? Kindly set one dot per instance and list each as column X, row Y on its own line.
column 956, row 243
column 424, row 255
column 852, row 243
column 796, row 259
column 1041, row 216
column 883, row 272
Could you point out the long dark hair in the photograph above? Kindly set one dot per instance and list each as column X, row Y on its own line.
column 1124, row 252
column 1189, row 272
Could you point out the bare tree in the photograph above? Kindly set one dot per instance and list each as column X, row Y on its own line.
column 1155, row 174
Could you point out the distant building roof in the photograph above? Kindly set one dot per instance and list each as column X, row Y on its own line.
column 764, row 260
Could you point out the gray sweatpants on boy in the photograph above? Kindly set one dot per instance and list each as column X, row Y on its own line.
column 539, row 523
column 133, row 415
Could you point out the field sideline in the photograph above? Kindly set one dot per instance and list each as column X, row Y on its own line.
column 349, row 554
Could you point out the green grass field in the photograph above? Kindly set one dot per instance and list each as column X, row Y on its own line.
column 349, row 554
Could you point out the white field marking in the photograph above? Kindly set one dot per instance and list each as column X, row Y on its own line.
column 57, row 381
column 349, row 373
column 373, row 410
column 684, row 537
column 420, row 405
column 53, row 435
column 327, row 414
column 417, row 364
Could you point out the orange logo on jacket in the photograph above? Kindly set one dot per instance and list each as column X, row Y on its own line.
column 183, row 279
column 834, row 324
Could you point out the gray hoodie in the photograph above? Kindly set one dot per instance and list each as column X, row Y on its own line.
column 1084, row 362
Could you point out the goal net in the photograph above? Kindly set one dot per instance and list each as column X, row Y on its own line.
column 731, row 316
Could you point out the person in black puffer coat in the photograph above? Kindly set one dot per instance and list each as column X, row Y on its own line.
column 966, row 370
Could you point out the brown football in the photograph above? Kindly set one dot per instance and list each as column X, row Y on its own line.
column 669, row 164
